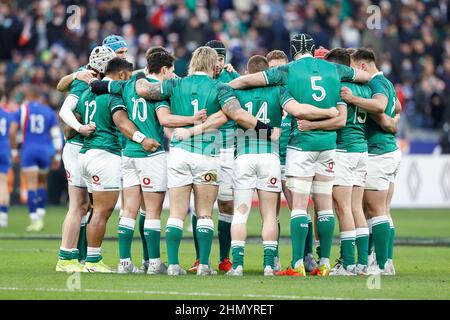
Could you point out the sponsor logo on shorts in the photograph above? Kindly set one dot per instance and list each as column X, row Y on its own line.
column 96, row 180
column 210, row 176
column 146, row 181
column 68, row 175
column 272, row 183
column 330, row 167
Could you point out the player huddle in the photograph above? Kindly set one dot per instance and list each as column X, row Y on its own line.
column 319, row 127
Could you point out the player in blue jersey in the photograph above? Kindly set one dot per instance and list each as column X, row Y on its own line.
column 5, row 163
column 41, row 148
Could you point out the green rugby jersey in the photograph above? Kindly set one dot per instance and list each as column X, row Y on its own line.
column 98, row 110
column 380, row 141
column 352, row 137
column 228, row 128
column 190, row 95
column 143, row 114
column 265, row 104
column 287, row 123
column 76, row 89
column 316, row 82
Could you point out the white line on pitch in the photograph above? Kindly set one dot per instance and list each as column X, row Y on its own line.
column 201, row 294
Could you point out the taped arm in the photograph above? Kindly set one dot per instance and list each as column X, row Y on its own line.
column 66, row 112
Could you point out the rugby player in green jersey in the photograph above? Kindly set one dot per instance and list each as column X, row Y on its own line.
column 257, row 166
column 192, row 162
column 73, row 239
column 310, row 155
column 108, row 113
column 145, row 173
column 351, row 169
column 223, row 73
column 384, row 157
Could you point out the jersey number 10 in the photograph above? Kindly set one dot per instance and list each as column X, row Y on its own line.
column 139, row 109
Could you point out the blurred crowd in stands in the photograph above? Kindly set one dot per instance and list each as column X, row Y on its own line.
column 43, row 40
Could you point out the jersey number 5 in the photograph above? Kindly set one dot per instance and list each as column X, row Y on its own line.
column 316, row 87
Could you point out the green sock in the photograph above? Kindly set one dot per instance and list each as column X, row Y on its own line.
column 391, row 239
column 237, row 249
column 194, row 233
column 270, row 248
column 125, row 234
column 94, row 255
column 82, row 239
column 174, row 233
column 348, row 248
column 381, row 234
column 142, row 235
column 152, row 234
column 362, row 244
column 370, row 244
column 224, row 233
column 299, row 231
column 277, row 252
column 325, row 230
column 205, row 235
column 75, row 254
column 65, row 254
column 309, row 237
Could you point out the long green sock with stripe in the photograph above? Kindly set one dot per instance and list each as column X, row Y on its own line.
column 362, row 244
column 299, row 231
column 194, row 233
column 65, row 254
column 270, row 248
column 309, row 237
column 94, row 254
column 348, row 248
column 237, row 250
column 381, row 235
column 370, row 244
column 325, row 230
column 142, row 215
column 82, row 239
column 125, row 233
column 391, row 239
column 224, row 234
column 152, row 234
column 205, row 235
column 174, row 233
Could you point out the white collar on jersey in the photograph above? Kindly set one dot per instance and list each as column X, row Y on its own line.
column 200, row 73
column 306, row 55
column 377, row 74
column 107, row 79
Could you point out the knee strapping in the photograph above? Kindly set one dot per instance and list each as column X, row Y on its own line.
column 322, row 187
column 242, row 206
column 225, row 192
column 298, row 186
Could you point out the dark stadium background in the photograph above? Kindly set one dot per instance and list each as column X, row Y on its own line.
column 412, row 44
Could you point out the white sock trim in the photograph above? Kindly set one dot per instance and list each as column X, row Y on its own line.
column 175, row 222
column 225, row 217
column 379, row 220
column 362, row 232
column 325, row 213
column 237, row 243
column 127, row 223
column 34, row 217
column 348, row 235
column 298, row 213
column 270, row 244
column 309, row 218
column 91, row 251
column 65, row 249
column 142, row 212
column 153, row 224
column 205, row 223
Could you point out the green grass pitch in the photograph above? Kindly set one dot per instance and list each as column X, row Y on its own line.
column 27, row 267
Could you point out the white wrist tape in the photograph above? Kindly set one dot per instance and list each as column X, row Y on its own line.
column 138, row 137
column 74, row 75
column 57, row 156
column 14, row 152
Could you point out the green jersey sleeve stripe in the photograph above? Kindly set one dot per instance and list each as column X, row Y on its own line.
column 342, row 103
column 354, row 74
column 162, row 106
column 229, row 99
column 109, row 86
column 74, row 95
column 121, row 106
column 284, row 104
column 380, row 93
column 265, row 77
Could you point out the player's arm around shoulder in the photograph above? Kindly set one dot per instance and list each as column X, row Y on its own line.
column 331, row 124
column 154, row 90
column 386, row 122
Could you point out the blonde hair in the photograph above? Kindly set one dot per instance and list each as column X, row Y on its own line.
column 203, row 60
